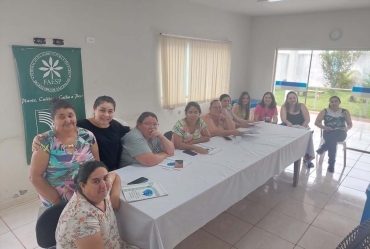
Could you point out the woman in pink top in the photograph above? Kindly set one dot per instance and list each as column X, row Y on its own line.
column 266, row 110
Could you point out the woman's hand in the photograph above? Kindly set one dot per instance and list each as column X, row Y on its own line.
column 221, row 117
column 237, row 133
column 36, row 142
column 328, row 128
column 289, row 124
column 155, row 133
column 200, row 150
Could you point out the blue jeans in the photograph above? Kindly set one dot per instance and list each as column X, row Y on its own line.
column 331, row 139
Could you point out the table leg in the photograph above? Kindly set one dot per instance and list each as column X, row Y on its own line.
column 297, row 169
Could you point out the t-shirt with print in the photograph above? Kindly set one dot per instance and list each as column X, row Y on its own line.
column 182, row 130
column 264, row 115
column 134, row 144
column 80, row 219
column 109, row 141
column 63, row 166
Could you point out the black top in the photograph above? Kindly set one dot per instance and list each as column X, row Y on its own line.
column 295, row 119
column 109, row 141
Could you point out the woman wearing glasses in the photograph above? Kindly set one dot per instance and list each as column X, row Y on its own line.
column 145, row 144
column 191, row 130
column 218, row 121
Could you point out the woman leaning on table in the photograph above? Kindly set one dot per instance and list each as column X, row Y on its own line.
column 191, row 130
column 145, row 144
column 241, row 111
column 218, row 121
column 337, row 121
column 62, row 150
column 88, row 220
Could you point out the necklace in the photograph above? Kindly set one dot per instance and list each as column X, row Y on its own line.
column 69, row 146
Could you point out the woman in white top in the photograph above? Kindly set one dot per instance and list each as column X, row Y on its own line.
column 218, row 122
column 88, row 220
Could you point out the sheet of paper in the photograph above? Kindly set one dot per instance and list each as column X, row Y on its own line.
column 170, row 164
column 143, row 191
column 211, row 150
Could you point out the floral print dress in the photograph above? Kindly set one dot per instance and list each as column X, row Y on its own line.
column 80, row 219
column 182, row 130
column 63, row 166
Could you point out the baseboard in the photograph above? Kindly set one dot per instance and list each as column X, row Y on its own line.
column 4, row 206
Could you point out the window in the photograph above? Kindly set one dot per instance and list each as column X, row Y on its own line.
column 193, row 70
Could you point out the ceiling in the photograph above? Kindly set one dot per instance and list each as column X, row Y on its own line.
column 254, row 8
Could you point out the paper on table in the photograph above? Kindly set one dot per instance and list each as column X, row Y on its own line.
column 143, row 191
column 211, row 150
column 246, row 132
column 170, row 164
column 301, row 127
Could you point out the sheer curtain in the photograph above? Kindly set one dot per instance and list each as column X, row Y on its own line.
column 193, row 70
column 209, row 70
column 173, row 67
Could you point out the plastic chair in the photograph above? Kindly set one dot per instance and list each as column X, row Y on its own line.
column 321, row 157
column 168, row 135
column 47, row 224
column 359, row 238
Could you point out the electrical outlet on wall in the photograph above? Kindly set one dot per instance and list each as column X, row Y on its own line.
column 90, row 40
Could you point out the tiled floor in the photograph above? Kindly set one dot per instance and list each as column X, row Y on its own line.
column 318, row 213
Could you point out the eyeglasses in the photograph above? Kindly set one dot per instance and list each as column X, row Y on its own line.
column 217, row 107
column 151, row 124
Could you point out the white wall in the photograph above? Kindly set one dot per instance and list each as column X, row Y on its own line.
column 302, row 31
column 122, row 63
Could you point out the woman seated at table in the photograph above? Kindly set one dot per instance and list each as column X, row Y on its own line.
column 241, row 111
column 266, row 110
column 335, row 129
column 218, row 122
column 63, row 149
column 295, row 113
column 226, row 104
column 191, row 130
column 107, row 131
column 88, row 220
column 145, row 144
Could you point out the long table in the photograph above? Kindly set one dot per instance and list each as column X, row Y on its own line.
column 208, row 186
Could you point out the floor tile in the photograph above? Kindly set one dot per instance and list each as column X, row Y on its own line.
column 304, row 171
column 344, row 208
column 362, row 165
column 283, row 226
column 320, row 185
column 265, row 197
column 298, row 210
column 8, row 240
column 309, row 196
column 248, row 211
column 335, row 223
column 353, row 155
column 259, row 239
column 228, row 228
column 365, row 158
column 22, row 215
column 355, row 183
column 287, row 176
column 356, row 144
column 298, row 247
column 3, row 227
column 27, row 235
column 349, row 162
column 202, row 240
column 316, row 238
column 324, row 174
column 278, row 186
column 360, row 174
column 351, row 195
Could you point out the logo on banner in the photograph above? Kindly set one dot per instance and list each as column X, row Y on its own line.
column 43, row 120
column 50, row 71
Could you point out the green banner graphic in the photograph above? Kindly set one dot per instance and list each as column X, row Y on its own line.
column 44, row 73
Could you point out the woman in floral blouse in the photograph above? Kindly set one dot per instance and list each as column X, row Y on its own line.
column 191, row 130
column 88, row 220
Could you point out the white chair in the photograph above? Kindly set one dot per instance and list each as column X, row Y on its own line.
column 321, row 157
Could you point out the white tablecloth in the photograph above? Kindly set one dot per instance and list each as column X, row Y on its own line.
column 208, row 186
